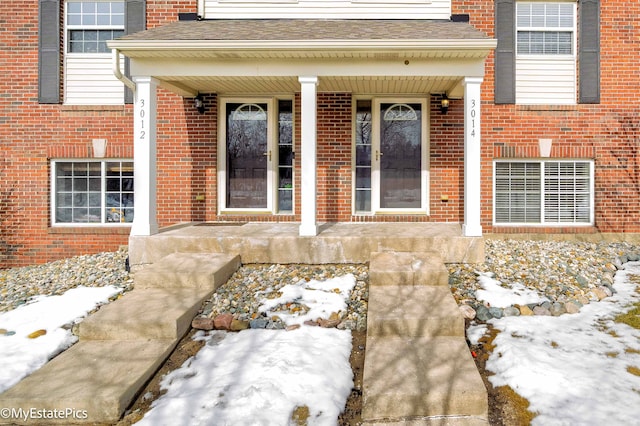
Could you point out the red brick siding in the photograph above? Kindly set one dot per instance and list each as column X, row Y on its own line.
column 32, row 134
column 608, row 132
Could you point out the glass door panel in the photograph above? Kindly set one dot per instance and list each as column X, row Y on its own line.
column 247, row 156
column 400, row 156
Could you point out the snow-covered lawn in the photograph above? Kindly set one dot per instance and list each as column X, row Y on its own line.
column 21, row 355
column 574, row 369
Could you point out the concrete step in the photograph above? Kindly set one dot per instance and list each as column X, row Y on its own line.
column 95, row 381
column 413, row 311
column 420, row 378
column 198, row 270
column 148, row 313
column 402, row 268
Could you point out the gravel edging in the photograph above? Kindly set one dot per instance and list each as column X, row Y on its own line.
column 569, row 274
column 20, row 285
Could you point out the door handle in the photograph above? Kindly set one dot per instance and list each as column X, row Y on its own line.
column 378, row 155
column 267, row 154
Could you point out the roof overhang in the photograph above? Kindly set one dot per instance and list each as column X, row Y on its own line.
column 219, row 56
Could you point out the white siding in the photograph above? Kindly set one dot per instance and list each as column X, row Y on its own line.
column 545, row 81
column 322, row 9
column 89, row 80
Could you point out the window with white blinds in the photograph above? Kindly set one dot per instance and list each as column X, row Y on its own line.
column 543, row 192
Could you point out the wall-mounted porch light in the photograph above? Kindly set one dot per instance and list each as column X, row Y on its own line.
column 198, row 103
column 444, row 104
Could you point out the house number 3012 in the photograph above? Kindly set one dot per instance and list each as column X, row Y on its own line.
column 143, row 113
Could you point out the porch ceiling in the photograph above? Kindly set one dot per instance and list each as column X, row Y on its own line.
column 270, row 85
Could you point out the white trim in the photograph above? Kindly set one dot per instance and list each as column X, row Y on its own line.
column 375, row 162
column 103, row 178
column 308, row 155
column 145, row 219
column 222, row 154
column 542, row 222
column 472, row 226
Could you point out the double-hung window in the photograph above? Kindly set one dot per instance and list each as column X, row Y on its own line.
column 545, row 53
column 92, row 192
column 89, row 77
column 543, row 192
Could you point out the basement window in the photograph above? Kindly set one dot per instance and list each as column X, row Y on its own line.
column 92, row 192
column 543, row 193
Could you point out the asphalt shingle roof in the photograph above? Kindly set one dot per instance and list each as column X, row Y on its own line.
column 310, row 29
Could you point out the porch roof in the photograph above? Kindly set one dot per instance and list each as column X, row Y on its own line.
column 267, row 55
column 307, row 38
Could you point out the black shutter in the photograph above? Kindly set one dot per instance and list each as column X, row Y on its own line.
column 589, row 51
column 505, row 58
column 135, row 20
column 49, row 52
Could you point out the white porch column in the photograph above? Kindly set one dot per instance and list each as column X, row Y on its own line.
column 144, row 157
column 308, row 156
column 472, row 157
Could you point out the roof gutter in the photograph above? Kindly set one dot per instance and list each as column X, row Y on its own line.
column 116, row 70
column 258, row 45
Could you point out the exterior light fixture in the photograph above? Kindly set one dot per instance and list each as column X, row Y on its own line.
column 444, row 104
column 198, row 103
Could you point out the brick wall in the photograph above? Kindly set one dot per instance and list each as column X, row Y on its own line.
column 608, row 132
column 32, row 134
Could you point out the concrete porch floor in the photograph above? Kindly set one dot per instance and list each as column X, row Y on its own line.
column 280, row 243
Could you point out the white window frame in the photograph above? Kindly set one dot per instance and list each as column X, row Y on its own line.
column 69, row 27
column 543, row 192
column 103, row 193
column 272, row 155
column 542, row 29
column 376, row 102
column 547, row 79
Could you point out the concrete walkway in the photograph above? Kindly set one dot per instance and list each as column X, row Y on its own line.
column 123, row 344
column 418, row 369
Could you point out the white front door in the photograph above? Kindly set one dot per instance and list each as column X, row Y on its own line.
column 255, row 162
column 397, row 151
column 247, row 154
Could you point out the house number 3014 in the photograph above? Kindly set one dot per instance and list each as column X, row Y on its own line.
column 143, row 113
column 472, row 115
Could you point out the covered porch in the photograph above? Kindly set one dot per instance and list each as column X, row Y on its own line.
column 281, row 242
column 253, row 64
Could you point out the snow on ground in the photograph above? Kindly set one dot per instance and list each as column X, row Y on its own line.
column 572, row 368
column 501, row 297
column 259, row 377
column 20, row 355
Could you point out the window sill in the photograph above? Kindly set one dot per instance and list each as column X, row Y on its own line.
column 565, row 107
column 101, row 108
column 91, row 230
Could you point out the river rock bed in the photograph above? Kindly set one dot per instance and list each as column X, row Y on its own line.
column 242, row 294
column 569, row 274
column 20, row 285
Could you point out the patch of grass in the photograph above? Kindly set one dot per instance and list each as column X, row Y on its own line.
column 519, row 404
column 554, row 344
column 300, row 415
column 633, row 370
column 631, row 318
column 632, row 351
column 612, row 354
